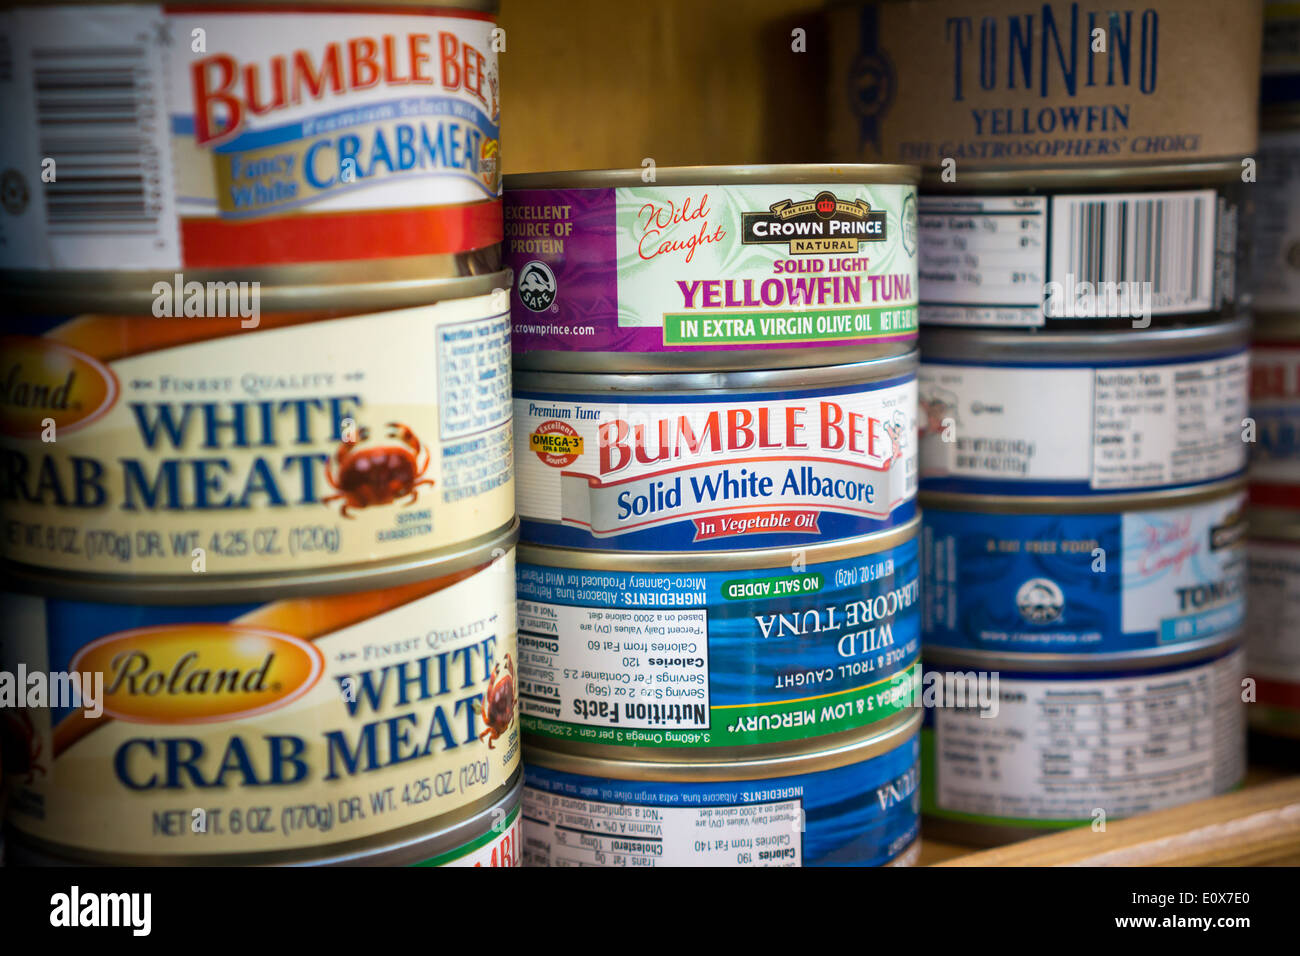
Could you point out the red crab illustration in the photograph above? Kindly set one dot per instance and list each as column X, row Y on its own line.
column 378, row 474
column 498, row 707
column 20, row 746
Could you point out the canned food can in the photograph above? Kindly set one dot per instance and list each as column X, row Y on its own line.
column 145, row 447
column 1273, row 635
column 712, row 656
column 856, row 804
column 708, row 462
column 1004, row 82
column 1275, row 407
column 1109, row 579
column 1281, row 59
column 1073, row 743
column 712, row 267
column 1098, row 247
column 491, row 837
column 1082, row 413
column 270, row 724
column 264, row 137
column 1276, row 268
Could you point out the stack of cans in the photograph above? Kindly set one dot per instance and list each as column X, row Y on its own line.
column 1274, row 648
column 715, row 435
column 1083, row 388
column 258, row 491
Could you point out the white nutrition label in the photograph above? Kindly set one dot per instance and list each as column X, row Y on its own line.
column 1273, row 643
column 614, row 667
column 988, row 260
column 1150, row 426
column 1061, row 749
column 567, row 831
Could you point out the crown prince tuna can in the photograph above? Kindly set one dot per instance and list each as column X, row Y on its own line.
column 716, row 462
column 709, row 267
column 166, row 447
column 271, row 725
column 242, row 136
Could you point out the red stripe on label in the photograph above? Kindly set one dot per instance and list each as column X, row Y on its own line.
column 1275, row 496
column 1278, row 694
column 328, row 237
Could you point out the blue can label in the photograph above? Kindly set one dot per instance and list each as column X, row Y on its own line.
column 861, row 814
column 719, row 658
column 1087, row 583
column 738, row 470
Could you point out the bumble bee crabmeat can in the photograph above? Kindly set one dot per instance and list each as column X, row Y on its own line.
column 1123, row 577
column 248, row 137
column 1097, row 247
column 1082, row 413
column 758, row 651
column 1275, row 406
column 269, row 727
column 853, row 805
column 1069, row 745
column 160, row 447
column 1273, row 637
column 1015, row 83
column 1276, row 271
column 712, row 267
column 709, row 462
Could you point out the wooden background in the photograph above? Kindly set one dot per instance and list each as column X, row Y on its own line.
column 590, row 84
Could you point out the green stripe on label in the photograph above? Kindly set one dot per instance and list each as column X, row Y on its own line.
column 759, row 328
column 467, row 848
column 748, row 589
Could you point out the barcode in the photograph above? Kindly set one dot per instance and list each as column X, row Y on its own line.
column 1165, row 242
column 96, row 118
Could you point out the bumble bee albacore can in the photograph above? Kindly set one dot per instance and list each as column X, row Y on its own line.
column 1073, row 741
column 1108, row 579
column 1090, row 247
column 266, row 723
column 704, row 656
column 1275, row 407
column 854, row 804
column 716, row 461
column 1083, row 413
column 254, row 141
column 1276, row 268
column 141, row 446
column 712, row 267
column 1273, row 637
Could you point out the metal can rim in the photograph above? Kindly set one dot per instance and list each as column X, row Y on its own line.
column 350, row 286
column 1279, row 117
column 587, row 560
column 271, row 6
column 1277, row 327
column 864, row 372
column 1274, row 524
column 1038, row 179
column 947, row 658
column 1092, row 504
column 253, row 588
column 775, row 174
column 879, row 739
column 972, row 344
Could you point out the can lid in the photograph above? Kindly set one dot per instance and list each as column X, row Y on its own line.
column 696, row 561
column 1092, row 504
column 1277, row 327
column 887, row 736
column 854, row 373
column 207, row 588
column 1189, row 652
column 773, row 174
column 969, row 345
column 1093, row 176
column 357, row 286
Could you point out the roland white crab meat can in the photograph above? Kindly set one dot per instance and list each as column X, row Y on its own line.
column 716, row 462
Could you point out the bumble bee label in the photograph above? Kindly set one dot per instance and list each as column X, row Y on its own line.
column 178, row 446
column 229, row 125
column 652, row 269
column 1275, row 405
column 637, row 471
column 1277, row 222
column 1062, row 746
column 1083, row 583
column 272, row 727
column 1082, row 429
column 718, row 658
column 860, row 814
